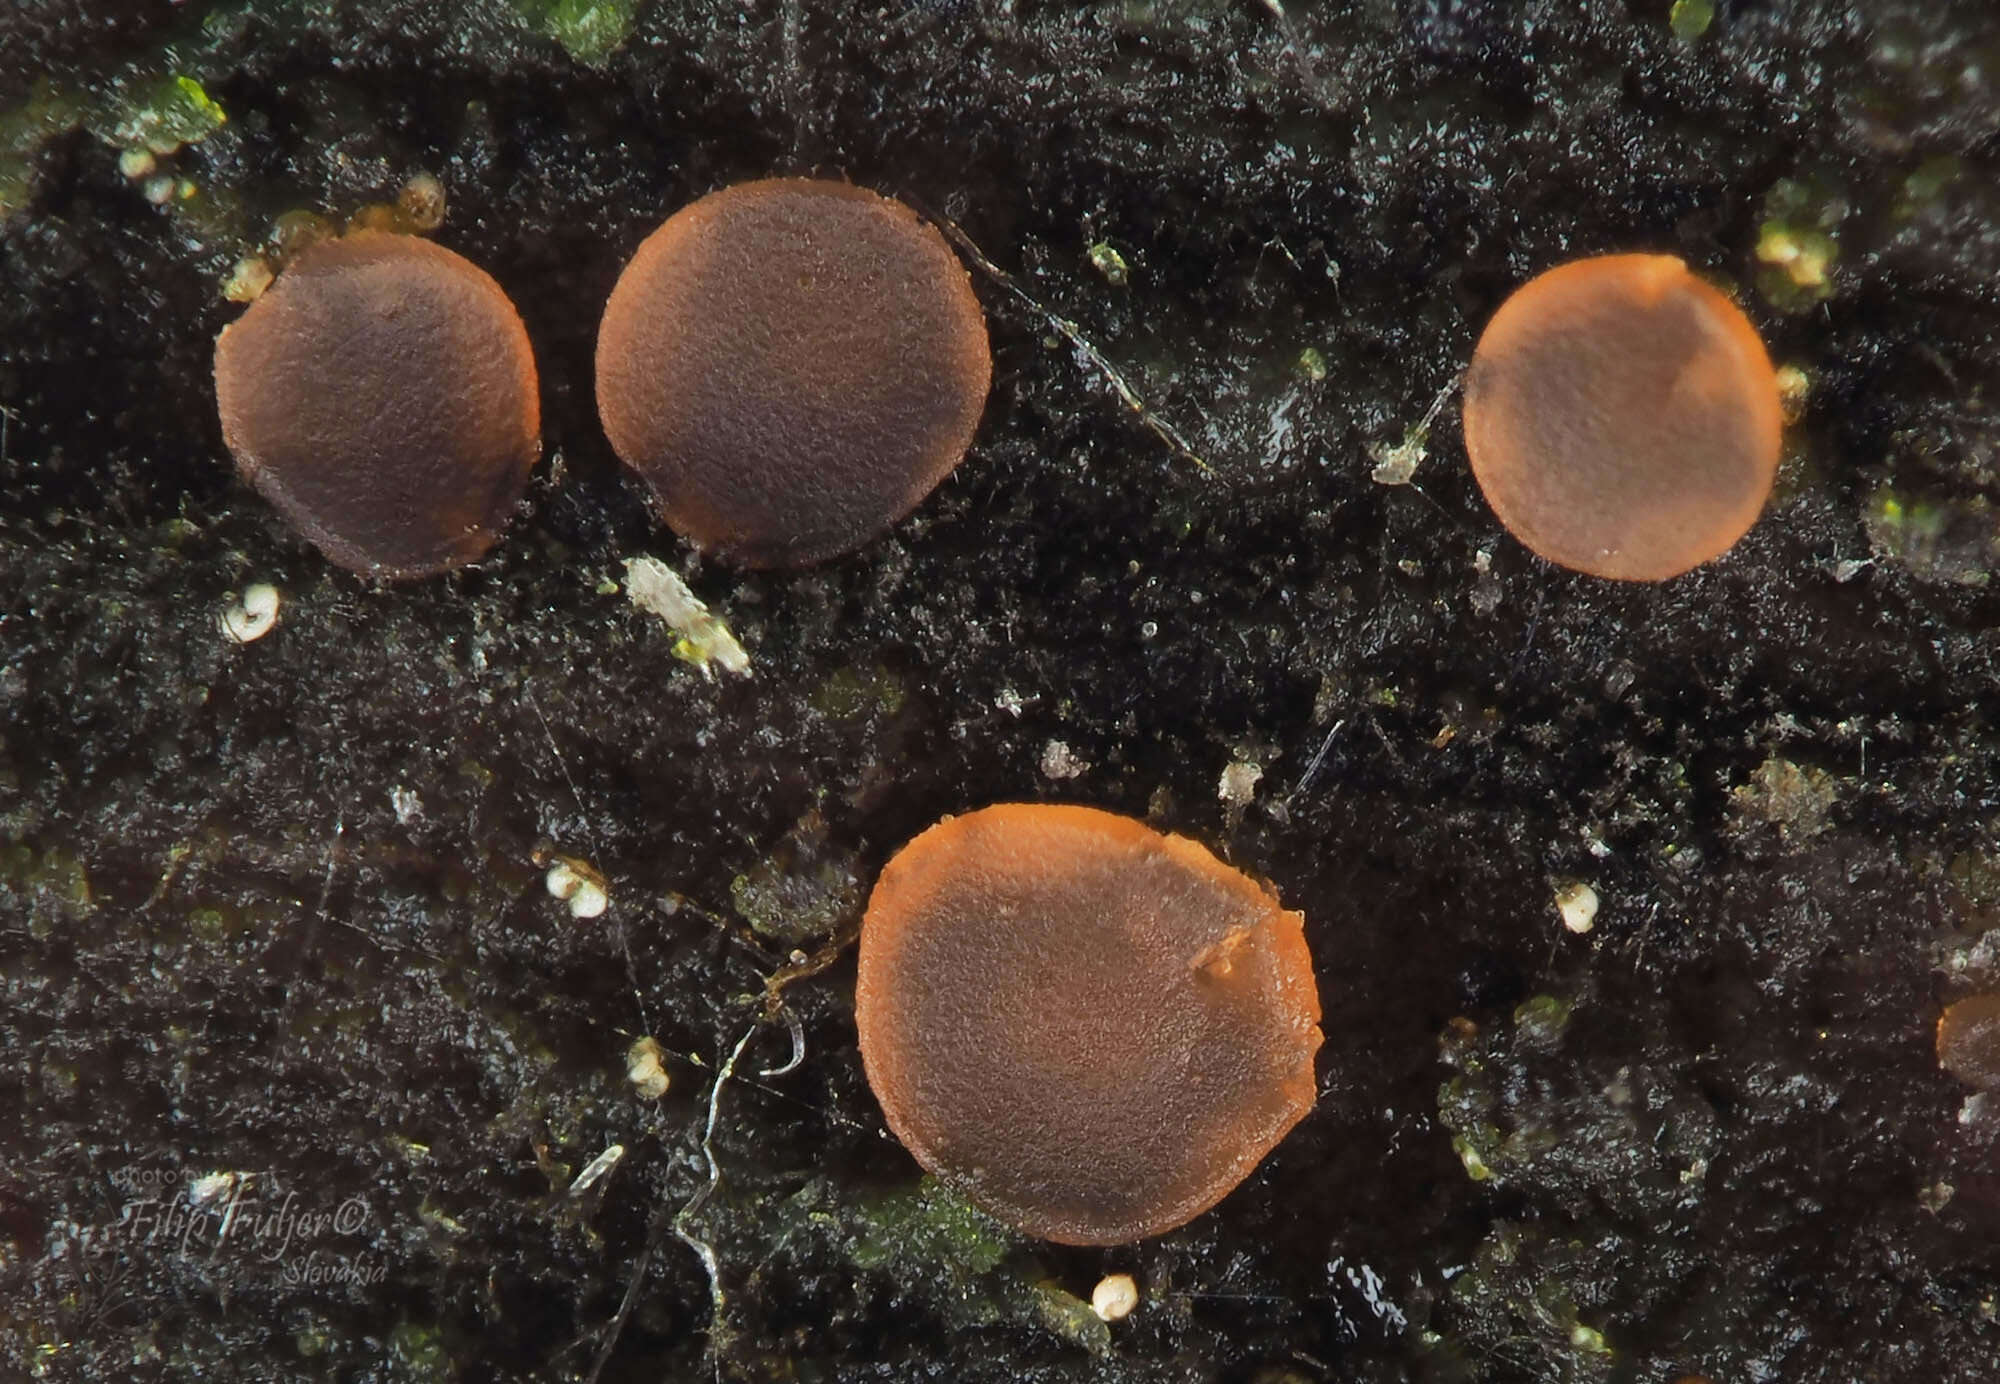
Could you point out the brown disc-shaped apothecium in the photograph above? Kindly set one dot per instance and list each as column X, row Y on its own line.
column 791, row 366
column 1091, row 1029
column 1622, row 418
column 1968, row 1041
column 382, row 395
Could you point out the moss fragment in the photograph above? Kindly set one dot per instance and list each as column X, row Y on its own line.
column 929, row 1229
column 1070, row 1317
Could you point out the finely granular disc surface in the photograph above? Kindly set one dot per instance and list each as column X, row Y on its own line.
column 1968, row 1041
column 382, row 395
column 1092, row 1029
column 1622, row 417
column 791, row 366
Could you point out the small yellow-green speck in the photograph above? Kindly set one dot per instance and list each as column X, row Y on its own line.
column 1106, row 260
column 1689, row 19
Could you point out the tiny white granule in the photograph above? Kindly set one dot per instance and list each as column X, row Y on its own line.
column 581, row 887
column 642, row 1067
column 1059, row 761
column 252, row 615
column 206, row 1189
column 1577, row 903
column 1238, row 784
column 1114, row 1297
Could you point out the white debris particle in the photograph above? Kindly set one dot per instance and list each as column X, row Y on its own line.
column 137, row 163
column 1238, row 784
column 1059, row 761
column 1374, row 1290
column 1577, row 903
column 1396, row 465
column 421, row 200
column 596, row 1171
column 252, row 615
column 1278, row 430
column 1485, row 597
column 703, row 639
column 1114, row 1297
column 206, row 1189
column 577, row 883
column 408, row 805
column 1009, row 701
column 642, row 1067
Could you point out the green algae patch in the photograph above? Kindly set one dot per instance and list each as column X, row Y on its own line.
column 156, row 114
column 1520, row 1301
column 849, row 693
column 1926, row 186
column 52, row 883
column 160, row 115
column 588, row 30
column 419, row 1351
column 1797, row 242
column 1946, row 540
column 928, row 1229
column 1540, row 1021
column 24, row 129
column 795, row 905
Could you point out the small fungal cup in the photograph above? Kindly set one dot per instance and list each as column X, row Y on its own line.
column 1622, row 418
column 791, row 366
column 1090, row 1028
column 382, row 395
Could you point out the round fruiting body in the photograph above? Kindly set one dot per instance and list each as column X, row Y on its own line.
column 1091, row 1029
column 1622, row 418
column 791, row 366
column 382, row 395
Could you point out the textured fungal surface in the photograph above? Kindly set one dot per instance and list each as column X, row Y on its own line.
column 1968, row 1041
column 382, row 395
column 791, row 366
column 1622, row 417
column 1092, row 1029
